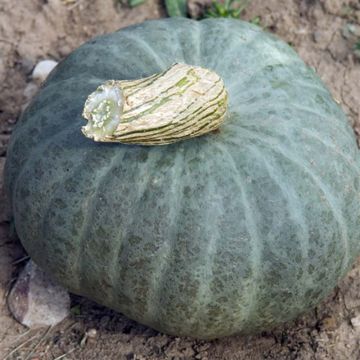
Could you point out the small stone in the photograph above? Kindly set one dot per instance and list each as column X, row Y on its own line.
column 317, row 36
column 355, row 321
column 350, row 31
column 42, row 70
column 36, row 301
column 322, row 38
column 30, row 91
column 91, row 333
column 27, row 65
column 196, row 8
column 64, row 50
column 338, row 47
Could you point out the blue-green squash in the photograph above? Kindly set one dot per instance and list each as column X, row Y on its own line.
column 232, row 232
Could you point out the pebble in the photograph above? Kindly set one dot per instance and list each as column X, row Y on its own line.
column 355, row 321
column 64, row 50
column 42, row 70
column 91, row 333
column 27, row 65
column 350, row 30
column 36, row 301
column 30, row 90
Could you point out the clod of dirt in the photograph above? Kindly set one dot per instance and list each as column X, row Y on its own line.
column 36, row 301
column 42, row 70
column 196, row 8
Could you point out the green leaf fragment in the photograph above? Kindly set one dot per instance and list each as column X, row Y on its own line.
column 176, row 8
column 134, row 3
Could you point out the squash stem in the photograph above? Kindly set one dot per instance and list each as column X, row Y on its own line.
column 103, row 109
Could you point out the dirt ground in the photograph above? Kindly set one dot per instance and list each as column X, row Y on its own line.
column 322, row 31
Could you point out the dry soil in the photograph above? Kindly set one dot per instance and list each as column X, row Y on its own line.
column 322, row 31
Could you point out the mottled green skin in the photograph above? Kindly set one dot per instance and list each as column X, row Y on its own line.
column 231, row 232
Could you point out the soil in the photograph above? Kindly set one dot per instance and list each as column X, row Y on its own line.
column 324, row 33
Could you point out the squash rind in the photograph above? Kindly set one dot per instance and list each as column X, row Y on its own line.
column 233, row 232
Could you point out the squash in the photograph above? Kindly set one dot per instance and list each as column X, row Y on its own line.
column 234, row 231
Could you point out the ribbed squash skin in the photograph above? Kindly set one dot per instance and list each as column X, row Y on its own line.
column 232, row 232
